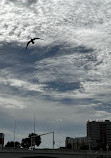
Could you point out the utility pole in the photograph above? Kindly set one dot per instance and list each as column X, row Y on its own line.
column 53, row 143
column 14, row 132
column 53, row 140
column 34, row 131
column 34, row 124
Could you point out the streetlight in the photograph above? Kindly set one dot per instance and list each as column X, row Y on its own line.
column 14, row 132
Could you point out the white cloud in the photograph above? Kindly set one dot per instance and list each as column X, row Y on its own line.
column 10, row 102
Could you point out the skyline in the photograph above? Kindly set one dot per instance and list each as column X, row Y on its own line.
column 65, row 79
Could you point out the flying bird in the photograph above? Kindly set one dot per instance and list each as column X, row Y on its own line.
column 32, row 40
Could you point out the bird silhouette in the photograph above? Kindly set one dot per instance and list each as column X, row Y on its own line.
column 31, row 41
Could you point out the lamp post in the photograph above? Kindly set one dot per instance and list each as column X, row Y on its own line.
column 34, row 131
column 14, row 133
column 33, row 140
column 53, row 143
column 34, row 136
column 53, row 140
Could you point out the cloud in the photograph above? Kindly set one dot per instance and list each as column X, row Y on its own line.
column 9, row 102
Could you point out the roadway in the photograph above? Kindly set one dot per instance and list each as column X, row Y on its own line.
column 52, row 154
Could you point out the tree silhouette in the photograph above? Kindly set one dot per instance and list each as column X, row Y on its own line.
column 25, row 143
column 11, row 144
column 35, row 138
column 32, row 140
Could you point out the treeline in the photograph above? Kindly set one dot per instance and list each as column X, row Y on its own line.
column 30, row 141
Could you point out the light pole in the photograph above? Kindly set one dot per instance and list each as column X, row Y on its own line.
column 34, row 136
column 33, row 139
column 34, row 131
column 53, row 140
column 53, row 137
column 14, row 132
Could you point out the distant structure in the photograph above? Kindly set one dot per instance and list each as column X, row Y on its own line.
column 99, row 134
column 76, row 143
column 98, row 137
column 1, row 140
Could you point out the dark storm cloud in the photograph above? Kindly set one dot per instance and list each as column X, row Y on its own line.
column 18, row 63
column 62, row 86
column 26, row 72
column 77, row 101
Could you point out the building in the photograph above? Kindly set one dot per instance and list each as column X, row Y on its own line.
column 1, row 140
column 69, row 143
column 99, row 134
column 76, row 143
column 81, row 143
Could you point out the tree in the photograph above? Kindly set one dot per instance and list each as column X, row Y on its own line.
column 25, row 143
column 11, row 144
column 33, row 139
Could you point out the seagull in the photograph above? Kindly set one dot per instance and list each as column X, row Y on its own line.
column 32, row 40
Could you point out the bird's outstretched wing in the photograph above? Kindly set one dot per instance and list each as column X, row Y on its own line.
column 36, row 38
column 27, row 44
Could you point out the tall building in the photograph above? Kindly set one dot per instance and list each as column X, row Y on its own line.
column 99, row 134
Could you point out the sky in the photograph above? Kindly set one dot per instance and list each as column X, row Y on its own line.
column 63, row 80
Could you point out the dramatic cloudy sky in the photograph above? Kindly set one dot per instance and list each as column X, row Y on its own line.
column 64, row 79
